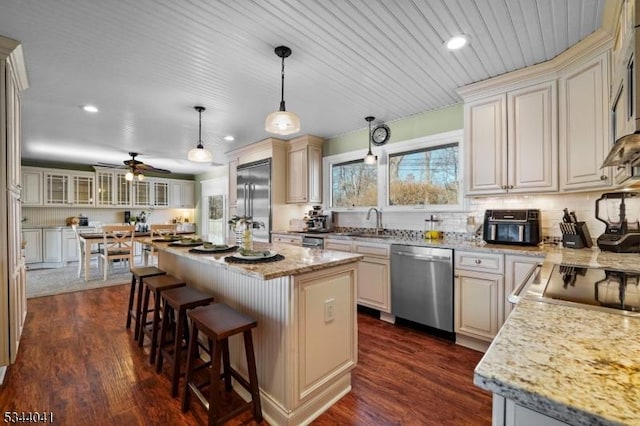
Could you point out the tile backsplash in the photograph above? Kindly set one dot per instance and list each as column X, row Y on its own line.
column 551, row 207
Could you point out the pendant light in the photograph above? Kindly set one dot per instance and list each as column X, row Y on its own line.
column 199, row 154
column 282, row 122
column 370, row 159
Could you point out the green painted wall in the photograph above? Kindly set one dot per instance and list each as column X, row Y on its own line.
column 415, row 126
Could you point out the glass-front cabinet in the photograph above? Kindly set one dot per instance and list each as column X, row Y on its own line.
column 113, row 189
column 160, row 194
column 141, row 193
column 69, row 189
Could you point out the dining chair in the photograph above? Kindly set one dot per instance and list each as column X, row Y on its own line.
column 157, row 231
column 94, row 252
column 117, row 243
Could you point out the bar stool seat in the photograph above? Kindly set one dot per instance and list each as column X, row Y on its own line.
column 176, row 304
column 138, row 274
column 157, row 284
column 219, row 322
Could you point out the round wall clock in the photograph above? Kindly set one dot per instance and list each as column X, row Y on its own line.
column 380, row 134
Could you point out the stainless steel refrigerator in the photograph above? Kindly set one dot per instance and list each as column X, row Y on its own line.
column 254, row 196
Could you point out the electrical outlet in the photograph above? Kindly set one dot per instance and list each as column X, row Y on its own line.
column 329, row 307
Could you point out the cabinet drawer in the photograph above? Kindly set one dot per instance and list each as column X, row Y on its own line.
column 375, row 250
column 338, row 245
column 296, row 241
column 477, row 261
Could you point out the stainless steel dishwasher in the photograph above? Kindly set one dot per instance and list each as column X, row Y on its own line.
column 422, row 285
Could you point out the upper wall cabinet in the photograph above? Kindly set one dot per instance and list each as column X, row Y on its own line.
column 31, row 187
column 183, row 194
column 511, row 141
column 584, row 124
column 68, row 188
column 540, row 129
column 304, row 170
column 113, row 189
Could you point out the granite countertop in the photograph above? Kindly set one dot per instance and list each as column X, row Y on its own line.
column 535, row 251
column 578, row 365
column 297, row 260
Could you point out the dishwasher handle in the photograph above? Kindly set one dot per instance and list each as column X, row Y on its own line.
column 423, row 257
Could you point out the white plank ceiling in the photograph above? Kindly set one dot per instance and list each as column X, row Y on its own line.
column 146, row 63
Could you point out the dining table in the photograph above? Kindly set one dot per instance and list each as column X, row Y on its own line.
column 89, row 239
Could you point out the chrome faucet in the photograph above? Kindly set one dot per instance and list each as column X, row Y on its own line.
column 378, row 219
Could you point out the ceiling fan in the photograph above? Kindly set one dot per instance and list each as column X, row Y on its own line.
column 136, row 168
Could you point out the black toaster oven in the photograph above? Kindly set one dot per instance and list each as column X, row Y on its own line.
column 521, row 227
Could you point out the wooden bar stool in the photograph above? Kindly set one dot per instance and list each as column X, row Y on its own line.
column 137, row 276
column 176, row 304
column 219, row 322
column 157, row 284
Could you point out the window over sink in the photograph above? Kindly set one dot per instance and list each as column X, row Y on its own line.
column 418, row 174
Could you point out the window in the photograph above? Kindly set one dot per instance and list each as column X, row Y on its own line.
column 424, row 176
column 354, row 184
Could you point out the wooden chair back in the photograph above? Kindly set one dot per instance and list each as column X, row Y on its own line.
column 117, row 244
column 160, row 230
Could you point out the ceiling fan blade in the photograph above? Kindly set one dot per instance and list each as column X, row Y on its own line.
column 111, row 165
column 154, row 170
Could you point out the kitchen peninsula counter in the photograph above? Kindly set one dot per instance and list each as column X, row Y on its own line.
column 577, row 365
column 305, row 306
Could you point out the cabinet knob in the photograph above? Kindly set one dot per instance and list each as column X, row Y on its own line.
column 504, row 187
column 510, row 186
column 603, row 177
column 478, row 261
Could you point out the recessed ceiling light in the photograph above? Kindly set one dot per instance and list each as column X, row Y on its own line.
column 90, row 108
column 456, row 42
column 229, row 138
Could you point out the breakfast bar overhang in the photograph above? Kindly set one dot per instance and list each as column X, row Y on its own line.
column 305, row 306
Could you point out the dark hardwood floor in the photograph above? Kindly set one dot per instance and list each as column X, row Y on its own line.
column 77, row 361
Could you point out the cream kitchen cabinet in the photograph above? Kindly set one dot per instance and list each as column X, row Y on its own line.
column 33, row 245
column 13, row 302
column 584, row 124
column 65, row 188
column 52, row 245
column 374, row 277
column 70, row 246
column 150, row 193
column 113, row 189
column 294, row 240
column 31, row 194
column 183, row 194
column 304, row 170
column 233, row 189
column 516, row 269
column 478, row 298
column 511, row 141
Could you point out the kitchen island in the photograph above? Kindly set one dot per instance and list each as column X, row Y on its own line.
column 305, row 306
column 552, row 364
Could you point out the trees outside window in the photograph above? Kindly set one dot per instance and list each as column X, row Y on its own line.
column 354, row 184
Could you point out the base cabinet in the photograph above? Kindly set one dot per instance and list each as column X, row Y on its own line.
column 507, row 412
column 293, row 240
column 33, row 245
column 477, row 300
column 374, row 272
column 69, row 246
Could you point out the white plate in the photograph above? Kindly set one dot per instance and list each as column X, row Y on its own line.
column 262, row 256
column 218, row 248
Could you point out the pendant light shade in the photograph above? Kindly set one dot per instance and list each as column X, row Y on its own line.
column 370, row 159
column 199, row 154
column 282, row 122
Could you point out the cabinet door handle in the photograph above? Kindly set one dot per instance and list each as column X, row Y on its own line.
column 603, row 177
column 478, row 261
column 504, row 187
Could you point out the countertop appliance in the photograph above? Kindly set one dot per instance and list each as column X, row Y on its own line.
column 313, row 242
column 422, row 286
column 620, row 212
column 605, row 289
column 520, row 227
column 318, row 221
column 254, row 196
